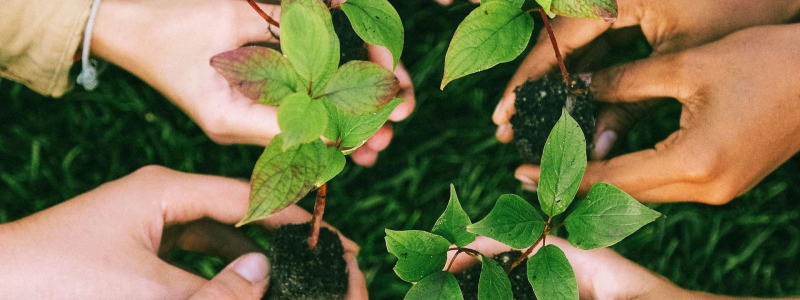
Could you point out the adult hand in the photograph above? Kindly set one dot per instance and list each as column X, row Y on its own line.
column 668, row 26
column 105, row 244
column 169, row 45
column 740, row 96
column 602, row 274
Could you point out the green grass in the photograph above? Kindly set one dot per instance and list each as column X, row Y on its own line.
column 54, row 149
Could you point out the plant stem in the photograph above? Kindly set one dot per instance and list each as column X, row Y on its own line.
column 555, row 46
column 334, row 7
column 453, row 260
column 316, row 220
column 263, row 14
column 530, row 249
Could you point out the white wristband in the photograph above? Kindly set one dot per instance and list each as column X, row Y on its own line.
column 88, row 76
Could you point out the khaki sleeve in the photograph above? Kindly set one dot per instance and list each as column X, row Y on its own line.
column 38, row 41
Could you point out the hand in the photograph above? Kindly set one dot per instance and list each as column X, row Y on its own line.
column 740, row 96
column 169, row 45
column 104, row 244
column 668, row 26
column 601, row 274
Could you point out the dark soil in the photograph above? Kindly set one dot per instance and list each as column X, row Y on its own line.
column 539, row 105
column 521, row 288
column 350, row 44
column 298, row 273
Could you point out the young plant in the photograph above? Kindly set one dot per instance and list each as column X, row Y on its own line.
column 499, row 30
column 603, row 218
column 315, row 97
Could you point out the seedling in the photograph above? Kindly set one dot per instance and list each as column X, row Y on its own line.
column 499, row 30
column 606, row 216
column 315, row 97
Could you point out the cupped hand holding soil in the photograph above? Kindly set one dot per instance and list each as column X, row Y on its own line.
column 109, row 243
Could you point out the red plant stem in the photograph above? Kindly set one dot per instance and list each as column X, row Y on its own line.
column 316, row 220
column 263, row 14
column 530, row 249
column 334, row 6
column 555, row 46
column 453, row 260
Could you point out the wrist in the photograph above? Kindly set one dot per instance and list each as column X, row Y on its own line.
column 116, row 26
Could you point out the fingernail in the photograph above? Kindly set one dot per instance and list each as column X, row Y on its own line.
column 604, row 143
column 252, row 266
column 586, row 77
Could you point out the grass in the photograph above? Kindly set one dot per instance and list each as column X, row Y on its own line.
column 54, row 149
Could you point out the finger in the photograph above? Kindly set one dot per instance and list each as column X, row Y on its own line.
column 365, row 156
column 505, row 133
column 208, row 237
column 654, row 77
column 445, row 2
column 406, row 92
column 357, row 288
column 641, row 172
column 381, row 139
column 614, row 120
column 245, row 278
column 382, row 56
column 240, row 122
column 573, row 33
column 252, row 27
column 182, row 198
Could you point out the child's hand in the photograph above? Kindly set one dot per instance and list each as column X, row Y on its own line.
column 741, row 99
column 169, row 44
column 105, row 244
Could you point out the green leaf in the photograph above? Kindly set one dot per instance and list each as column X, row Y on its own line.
column 336, row 162
column 512, row 221
column 354, row 130
column 563, row 164
column 551, row 275
column 377, row 23
column 605, row 217
column 309, row 42
column 281, row 178
column 360, row 87
column 259, row 73
column 494, row 283
column 418, row 253
column 441, row 285
column 514, row 3
column 451, row 225
column 593, row 9
column 493, row 33
column 301, row 119
column 546, row 4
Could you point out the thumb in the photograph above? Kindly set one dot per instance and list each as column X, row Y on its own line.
column 246, row 278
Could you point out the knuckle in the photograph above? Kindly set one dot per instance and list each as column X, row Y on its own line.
column 718, row 194
column 150, row 171
column 217, row 127
column 687, row 73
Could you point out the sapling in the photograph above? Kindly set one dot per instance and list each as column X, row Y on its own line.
column 606, row 216
column 315, row 97
column 497, row 32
